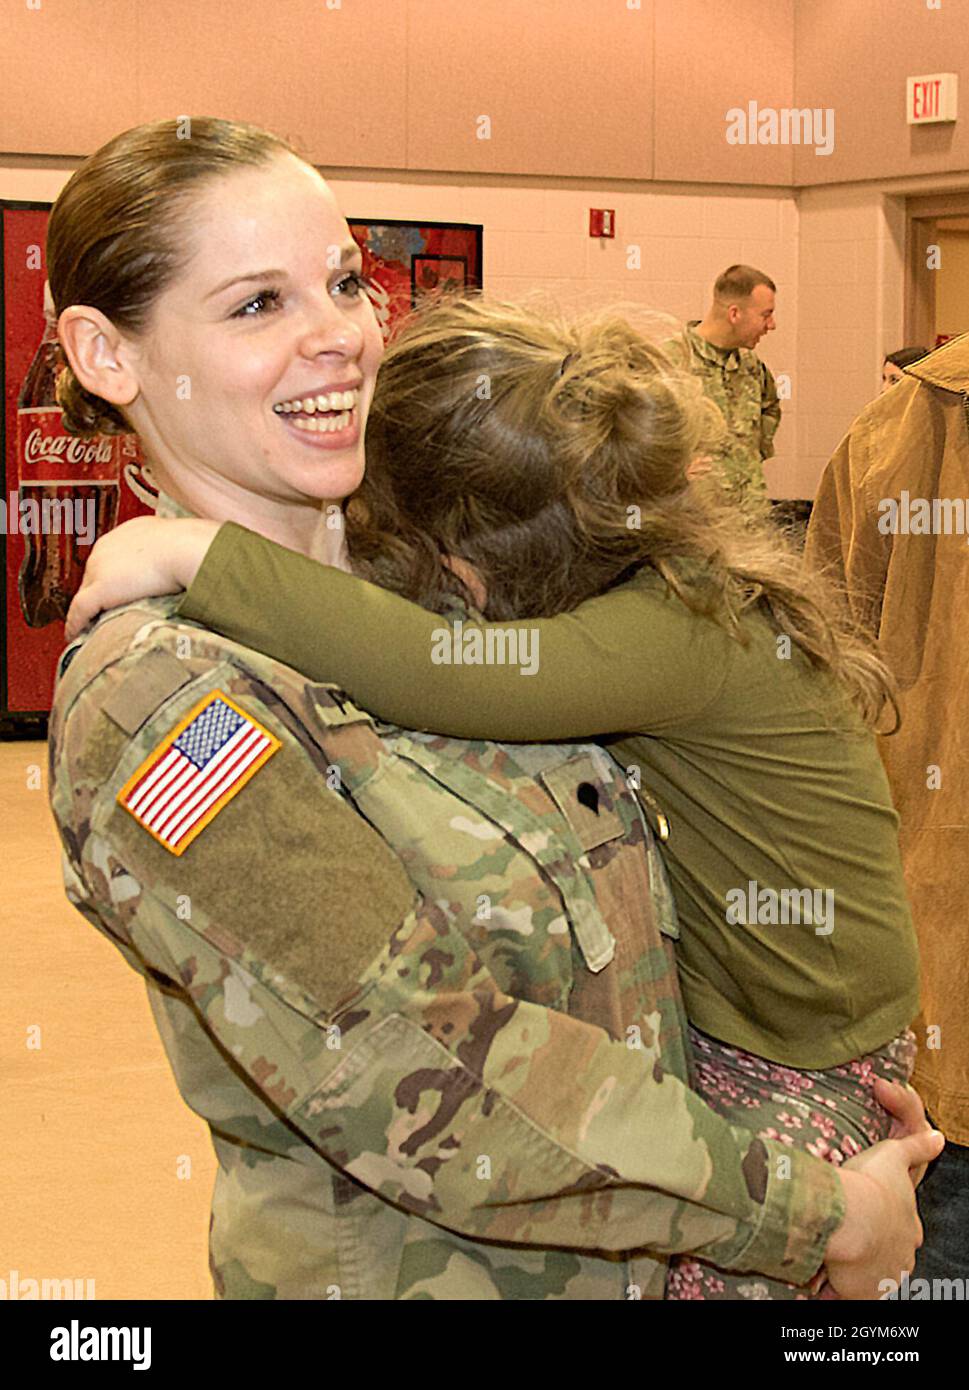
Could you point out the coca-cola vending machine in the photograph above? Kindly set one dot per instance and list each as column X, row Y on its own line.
column 60, row 492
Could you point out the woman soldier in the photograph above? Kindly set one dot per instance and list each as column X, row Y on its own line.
column 430, row 1069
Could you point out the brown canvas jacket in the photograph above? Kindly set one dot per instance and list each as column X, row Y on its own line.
column 905, row 568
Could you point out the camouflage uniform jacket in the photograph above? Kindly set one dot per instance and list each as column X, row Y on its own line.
column 743, row 389
column 419, row 990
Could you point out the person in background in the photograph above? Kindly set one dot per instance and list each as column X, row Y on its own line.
column 895, row 363
column 907, row 583
column 719, row 349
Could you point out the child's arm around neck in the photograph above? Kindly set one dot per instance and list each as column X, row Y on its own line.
column 626, row 661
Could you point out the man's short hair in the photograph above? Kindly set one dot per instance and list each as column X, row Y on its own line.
column 739, row 282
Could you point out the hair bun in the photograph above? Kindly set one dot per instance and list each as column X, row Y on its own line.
column 85, row 414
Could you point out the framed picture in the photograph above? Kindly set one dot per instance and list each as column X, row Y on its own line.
column 403, row 261
column 60, row 493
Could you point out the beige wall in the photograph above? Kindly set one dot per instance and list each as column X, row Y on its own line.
column 633, row 89
column 850, row 313
column 713, row 56
column 565, row 84
column 854, row 56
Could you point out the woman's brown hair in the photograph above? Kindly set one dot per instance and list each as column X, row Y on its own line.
column 117, row 234
column 551, row 453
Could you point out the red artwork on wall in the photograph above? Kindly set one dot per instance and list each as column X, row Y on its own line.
column 404, row 261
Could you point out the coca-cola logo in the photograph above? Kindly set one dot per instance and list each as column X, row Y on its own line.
column 56, row 448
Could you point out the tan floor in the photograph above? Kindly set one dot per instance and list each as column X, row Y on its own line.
column 93, row 1126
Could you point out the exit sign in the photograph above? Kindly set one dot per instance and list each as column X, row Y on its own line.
column 933, row 98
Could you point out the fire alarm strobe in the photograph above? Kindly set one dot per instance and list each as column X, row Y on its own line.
column 602, row 222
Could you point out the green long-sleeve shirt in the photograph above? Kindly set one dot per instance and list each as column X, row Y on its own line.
column 797, row 942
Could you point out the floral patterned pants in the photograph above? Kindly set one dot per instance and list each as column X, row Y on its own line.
column 832, row 1114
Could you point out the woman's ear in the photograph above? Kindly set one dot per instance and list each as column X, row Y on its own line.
column 95, row 350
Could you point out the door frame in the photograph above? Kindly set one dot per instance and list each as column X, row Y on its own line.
column 921, row 217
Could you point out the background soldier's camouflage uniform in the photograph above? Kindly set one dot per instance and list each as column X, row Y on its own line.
column 456, row 1073
column 743, row 389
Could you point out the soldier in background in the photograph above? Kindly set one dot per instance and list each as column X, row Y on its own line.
column 719, row 349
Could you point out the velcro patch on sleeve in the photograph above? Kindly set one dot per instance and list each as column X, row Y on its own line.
column 132, row 704
column 196, row 770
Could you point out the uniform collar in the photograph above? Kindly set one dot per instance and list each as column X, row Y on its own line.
column 947, row 366
column 167, row 508
column 730, row 358
column 148, row 491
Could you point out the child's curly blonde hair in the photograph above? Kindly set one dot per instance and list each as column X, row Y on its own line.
column 550, row 452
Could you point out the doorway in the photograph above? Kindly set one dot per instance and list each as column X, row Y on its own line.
column 937, row 258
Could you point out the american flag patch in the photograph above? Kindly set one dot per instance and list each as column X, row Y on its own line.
column 196, row 771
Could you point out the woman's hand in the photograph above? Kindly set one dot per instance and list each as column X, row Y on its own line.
column 139, row 559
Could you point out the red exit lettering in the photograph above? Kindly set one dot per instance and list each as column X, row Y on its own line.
column 925, row 99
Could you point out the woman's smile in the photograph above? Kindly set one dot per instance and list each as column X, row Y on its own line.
column 335, row 430
column 326, row 420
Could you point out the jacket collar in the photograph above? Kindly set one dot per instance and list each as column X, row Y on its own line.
column 947, row 366
column 730, row 358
